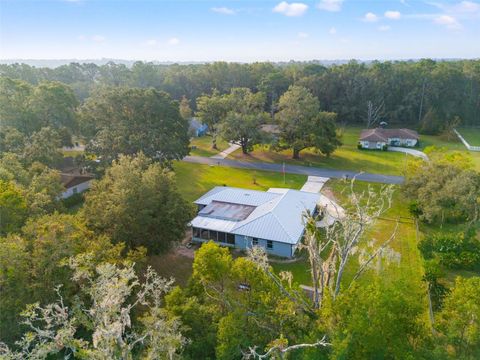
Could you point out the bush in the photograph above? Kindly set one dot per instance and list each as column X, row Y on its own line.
column 359, row 146
column 385, row 147
column 414, row 209
column 438, row 291
column 74, row 200
column 453, row 250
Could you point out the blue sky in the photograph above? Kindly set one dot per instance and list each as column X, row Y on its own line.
column 244, row 30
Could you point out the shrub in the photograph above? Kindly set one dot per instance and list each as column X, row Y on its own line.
column 73, row 200
column 359, row 146
column 453, row 250
column 385, row 147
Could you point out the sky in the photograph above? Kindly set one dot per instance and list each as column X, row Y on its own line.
column 245, row 31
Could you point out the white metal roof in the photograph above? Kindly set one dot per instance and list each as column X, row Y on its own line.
column 277, row 216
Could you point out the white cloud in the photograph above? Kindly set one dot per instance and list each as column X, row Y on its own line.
column 98, row 38
column 302, row 35
column 292, row 9
column 173, row 41
column 223, row 10
column 151, row 42
column 370, row 17
column 81, row 37
column 394, row 15
column 330, row 5
column 332, row 31
column 468, row 7
column 384, row 28
column 448, row 21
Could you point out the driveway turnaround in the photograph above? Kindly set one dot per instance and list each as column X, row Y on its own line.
column 297, row 169
column 408, row 151
column 314, row 184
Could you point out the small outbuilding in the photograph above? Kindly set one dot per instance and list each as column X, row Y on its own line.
column 196, row 128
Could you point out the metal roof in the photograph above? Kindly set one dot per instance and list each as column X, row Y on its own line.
column 277, row 215
column 235, row 196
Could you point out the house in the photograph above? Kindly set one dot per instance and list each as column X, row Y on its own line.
column 74, row 183
column 379, row 138
column 196, row 128
column 243, row 218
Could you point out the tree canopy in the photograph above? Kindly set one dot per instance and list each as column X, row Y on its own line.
column 128, row 120
column 137, row 203
column 303, row 125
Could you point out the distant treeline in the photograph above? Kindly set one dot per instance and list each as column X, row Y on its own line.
column 427, row 95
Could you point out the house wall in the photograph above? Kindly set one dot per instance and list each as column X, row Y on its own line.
column 372, row 144
column 279, row 248
column 76, row 189
column 245, row 242
column 391, row 142
column 402, row 142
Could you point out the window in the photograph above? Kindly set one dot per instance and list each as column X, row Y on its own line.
column 230, row 239
column 196, row 232
column 221, row 237
column 254, row 241
column 269, row 244
column 204, row 234
column 213, row 235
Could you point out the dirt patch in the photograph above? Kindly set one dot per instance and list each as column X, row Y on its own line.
column 177, row 263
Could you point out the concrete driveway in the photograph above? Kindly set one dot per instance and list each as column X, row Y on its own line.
column 413, row 152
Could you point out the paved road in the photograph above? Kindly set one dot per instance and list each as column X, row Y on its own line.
column 412, row 152
column 296, row 169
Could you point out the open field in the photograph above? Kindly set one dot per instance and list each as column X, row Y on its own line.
column 347, row 157
column 203, row 146
column 405, row 243
column 194, row 179
column 453, row 145
column 472, row 135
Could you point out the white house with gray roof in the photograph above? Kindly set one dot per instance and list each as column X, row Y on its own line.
column 242, row 218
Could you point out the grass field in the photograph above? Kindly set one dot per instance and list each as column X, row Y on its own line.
column 405, row 243
column 203, row 146
column 347, row 157
column 472, row 135
column 452, row 145
column 194, row 179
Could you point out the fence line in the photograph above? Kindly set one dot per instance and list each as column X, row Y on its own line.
column 467, row 145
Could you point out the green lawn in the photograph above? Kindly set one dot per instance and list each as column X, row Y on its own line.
column 347, row 157
column 203, row 146
column 472, row 135
column 405, row 243
column 194, row 179
column 452, row 145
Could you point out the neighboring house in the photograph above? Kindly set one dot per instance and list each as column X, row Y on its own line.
column 271, row 129
column 243, row 218
column 196, row 128
column 379, row 138
column 75, row 183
